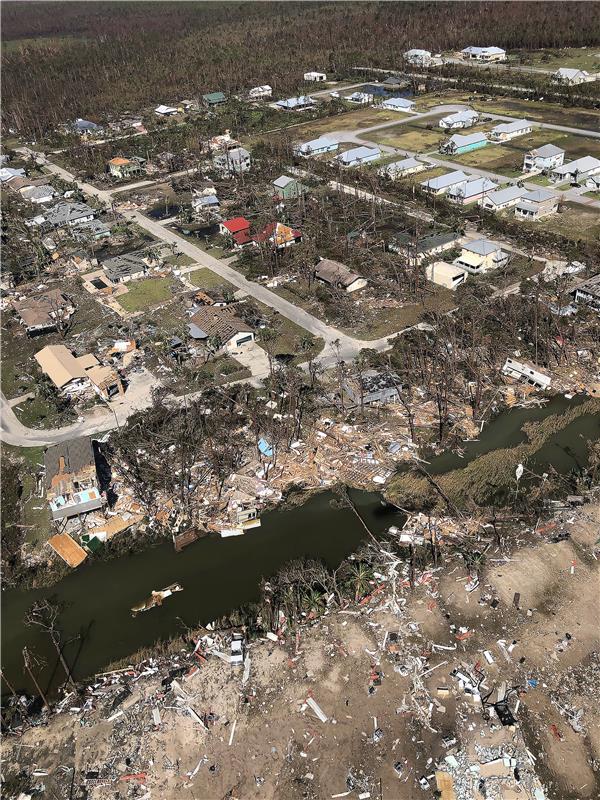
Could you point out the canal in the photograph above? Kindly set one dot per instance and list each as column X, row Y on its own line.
column 217, row 575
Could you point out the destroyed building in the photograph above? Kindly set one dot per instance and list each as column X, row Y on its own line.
column 71, row 479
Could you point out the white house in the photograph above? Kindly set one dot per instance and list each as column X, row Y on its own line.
column 443, row 183
column 69, row 214
column 165, row 111
column 236, row 160
column 38, row 194
column 362, row 98
column 572, row 77
column 471, row 191
column 418, row 58
column 484, row 54
column 397, row 104
column 543, row 159
column 523, row 370
column 481, row 256
column 219, row 327
column 398, row 169
column 316, row 147
column 536, row 204
column 461, row 119
column 315, row 77
column 296, row 103
column 502, row 198
column 358, row 156
column 579, row 170
column 443, row 274
column 260, row 92
column 510, row 130
column 588, row 292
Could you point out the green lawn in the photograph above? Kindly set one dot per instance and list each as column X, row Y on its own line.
column 180, row 260
column 205, row 278
column 146, row 293
column 36, row 513
column 414, row 138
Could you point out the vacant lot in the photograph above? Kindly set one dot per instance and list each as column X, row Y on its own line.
column 587, row 58
column 574, row 222
column 413, row 138
column 147, row 293
column 542, row 112
column 205, row 278
column 350, row 121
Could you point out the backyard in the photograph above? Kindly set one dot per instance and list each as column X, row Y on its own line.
column 146, row 293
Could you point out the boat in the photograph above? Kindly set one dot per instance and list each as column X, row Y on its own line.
column 156, row 598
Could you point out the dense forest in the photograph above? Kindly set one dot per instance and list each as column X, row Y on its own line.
column 94, row 59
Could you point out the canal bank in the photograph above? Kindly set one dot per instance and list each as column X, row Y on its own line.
column 217, row 575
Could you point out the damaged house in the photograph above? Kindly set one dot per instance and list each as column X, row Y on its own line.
column 373, row 388
column 71, row 479
column 339, row 275
column 74, row 375
column 220, row 326
column 44, row 312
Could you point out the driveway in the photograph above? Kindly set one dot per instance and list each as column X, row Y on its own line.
column 254, row 358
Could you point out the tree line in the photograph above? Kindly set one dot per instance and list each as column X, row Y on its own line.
column 97, row 60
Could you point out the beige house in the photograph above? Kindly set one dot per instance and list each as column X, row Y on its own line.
column 443, row 274
column 73, row 375
column 481, row 256
column 336, row 274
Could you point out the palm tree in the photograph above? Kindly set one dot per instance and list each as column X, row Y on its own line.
column 358, row 579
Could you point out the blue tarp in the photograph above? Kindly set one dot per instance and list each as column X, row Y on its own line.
column 265, row 448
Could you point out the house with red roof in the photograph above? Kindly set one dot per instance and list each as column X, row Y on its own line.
column 237, row 229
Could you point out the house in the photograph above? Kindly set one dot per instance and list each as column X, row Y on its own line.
column 236, row 229
column 577, row 171
column 339, row 275
column 125, row 167
column 260, row 92
column 572, row 77
column 165, row 111
column 471, row 191
column 296, row 103
column 458, row 144
column 502, row 198
column 373, row 388
column 588, row 292
column 213, row 99
column 71, row 479
column 126, row 267
column 74, row 374
column 443, row 183
column 91, row 230
column 418, row 58
column 523, row 370
column 460, row 119
column 536, row 204
column 84, row 127
column 316, row 147
column 481, row 256
column 358, row 156
column 394, row 83
column 69, row 214
column 221, row 327
column 315, row 77
column 399, row 169
column 287, row 188
column 38, row 194
column 417, row 249
column 206, row 202
column 8, row 173
column 44, row 312
column 543, row 159
column 234, row 161
column 278, row 235
column 510, row 130
column 487, row 54
column 443, row 274
column 361, row 98
column 398, row 104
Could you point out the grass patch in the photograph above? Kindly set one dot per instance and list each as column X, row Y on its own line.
column 146, row 293
column 205, row 278
column 575, row 222
column 179, row 261
column 409, row 137
column 36, row 512
column 577, row 58
column 388, row 321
